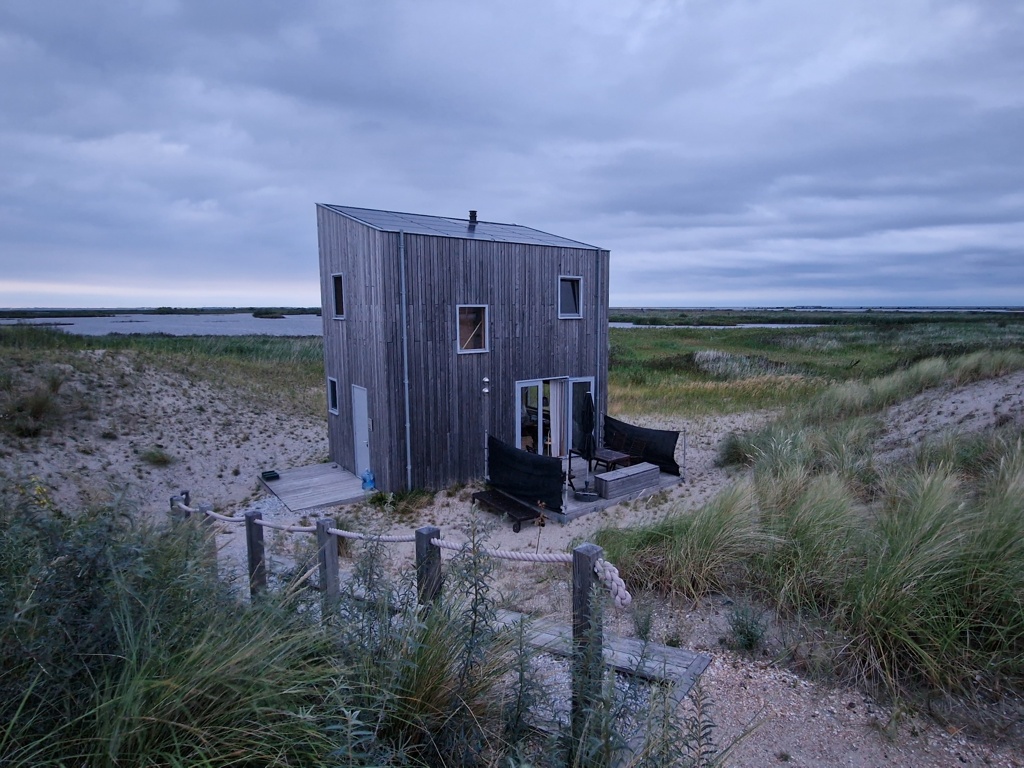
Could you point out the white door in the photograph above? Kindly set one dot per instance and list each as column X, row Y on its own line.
column 361, row 429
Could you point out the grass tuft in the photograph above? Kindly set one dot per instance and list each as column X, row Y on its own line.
column 156, row 456
column 690, row 554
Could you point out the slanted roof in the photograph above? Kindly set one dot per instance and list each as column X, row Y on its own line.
column 442, row 226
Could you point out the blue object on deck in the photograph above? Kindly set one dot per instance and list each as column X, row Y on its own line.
column 369, row 482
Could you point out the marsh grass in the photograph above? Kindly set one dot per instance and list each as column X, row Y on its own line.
column 642, row 391
column 694, row 371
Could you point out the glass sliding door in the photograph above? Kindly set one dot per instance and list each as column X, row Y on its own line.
column 543, row 411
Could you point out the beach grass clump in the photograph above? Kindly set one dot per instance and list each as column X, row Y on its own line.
column 986, row 364
column 904, row 609
column 856, row 398
column 815, row 544
column 971, row 454
column 916, row 574
column 691, row 554
column 846, row 449
column 993, row 563
column 30, row 401
column 777, row 449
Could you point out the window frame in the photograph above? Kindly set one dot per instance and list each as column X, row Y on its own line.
column 332, row 396
column 578, row 315
column 338, row 279
column 486, row 329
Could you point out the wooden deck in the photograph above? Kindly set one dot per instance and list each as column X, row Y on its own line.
column 571, row 508
column 319, row 485
column 324, row 485
column 650, row 661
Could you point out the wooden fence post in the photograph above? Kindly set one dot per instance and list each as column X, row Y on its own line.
column 428, row 564
column 177, row 515
column 327, row 555
column 587, row 652
column 209, row 528
column 256, row 554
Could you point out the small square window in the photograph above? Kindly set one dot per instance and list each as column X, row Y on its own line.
column 332, row 395
column 569, row 292
column 338, row 283
column 472, row 328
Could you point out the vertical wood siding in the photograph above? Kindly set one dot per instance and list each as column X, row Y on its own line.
column 526, row 340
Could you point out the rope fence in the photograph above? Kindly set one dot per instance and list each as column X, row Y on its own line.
column 605, row 570
column 586, row 561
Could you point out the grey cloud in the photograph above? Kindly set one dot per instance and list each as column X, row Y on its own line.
column 789, row 151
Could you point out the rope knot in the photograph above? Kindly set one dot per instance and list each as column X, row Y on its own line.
column 609, row 574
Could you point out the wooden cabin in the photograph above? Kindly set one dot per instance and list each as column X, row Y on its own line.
column 438, row 331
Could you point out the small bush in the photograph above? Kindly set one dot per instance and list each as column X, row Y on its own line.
column 156, row 456
column 747, row 628
column 404, row 504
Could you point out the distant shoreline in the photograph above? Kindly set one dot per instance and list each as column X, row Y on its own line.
column 44, row 313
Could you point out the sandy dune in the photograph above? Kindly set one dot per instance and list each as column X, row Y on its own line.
column 116, row 410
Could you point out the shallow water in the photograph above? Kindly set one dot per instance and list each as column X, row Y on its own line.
column 234, row 324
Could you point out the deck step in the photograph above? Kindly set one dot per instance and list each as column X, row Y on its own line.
column 625, row 480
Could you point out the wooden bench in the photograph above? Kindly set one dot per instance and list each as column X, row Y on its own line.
column 626, row 480
column 518, row 511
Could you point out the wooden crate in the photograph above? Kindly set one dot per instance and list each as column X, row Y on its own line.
column 620, row 482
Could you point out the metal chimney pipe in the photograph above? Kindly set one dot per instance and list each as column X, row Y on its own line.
column 472, row 218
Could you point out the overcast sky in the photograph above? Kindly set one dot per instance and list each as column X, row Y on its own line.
column 727, row 152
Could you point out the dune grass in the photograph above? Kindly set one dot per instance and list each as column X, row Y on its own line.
column 916, row 568
column 121, row 649
column 120, row 646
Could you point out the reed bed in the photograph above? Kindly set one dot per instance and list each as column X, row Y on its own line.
column 662, row 394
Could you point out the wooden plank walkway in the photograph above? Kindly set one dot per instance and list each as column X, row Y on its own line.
column 318, row 485
column 649, row 661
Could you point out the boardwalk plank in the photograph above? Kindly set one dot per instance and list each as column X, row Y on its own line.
column 648, row 661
